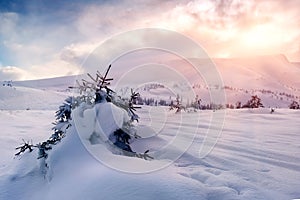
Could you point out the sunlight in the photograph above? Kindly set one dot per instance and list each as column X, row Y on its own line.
column 261, row 37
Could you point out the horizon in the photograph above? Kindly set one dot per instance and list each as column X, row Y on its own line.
column 42, row 39
column 214, row 60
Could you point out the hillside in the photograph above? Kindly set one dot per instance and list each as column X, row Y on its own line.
column 42, row 94
column 273, row 78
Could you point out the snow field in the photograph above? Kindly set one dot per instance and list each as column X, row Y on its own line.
column 256, row 157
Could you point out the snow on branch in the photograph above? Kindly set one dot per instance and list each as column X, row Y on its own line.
column 93, row 91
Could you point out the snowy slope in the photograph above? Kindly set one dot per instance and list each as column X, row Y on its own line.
column 273, row 78
column 275, row 74
column 58, row 83
column 21, row 98
column 43, row 94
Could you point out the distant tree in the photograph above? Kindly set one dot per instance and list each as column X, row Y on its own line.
column 178, row 105
column 162, row 102
column 171, row 103
column 197, row 103
column 294, row 105
column 231, row 106
column 254, row 102
column 8, row 83
column 238, row 105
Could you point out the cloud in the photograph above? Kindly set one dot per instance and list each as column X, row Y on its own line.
column 104, row 20
column 13, row 73
column 77, row 53
column 228, row 26
column 43, row 35
column 54, row 68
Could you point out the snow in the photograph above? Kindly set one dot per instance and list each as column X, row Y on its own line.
column 273, row 78
column 22, row 98
column 256, row 156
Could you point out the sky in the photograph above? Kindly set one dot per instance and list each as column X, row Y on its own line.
column 43, row 38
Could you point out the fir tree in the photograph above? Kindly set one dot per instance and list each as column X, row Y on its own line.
column 254, row 102
column 91, row 92
column 294, row 105
column 197, row 103
column 238, row 105
column 177, row 106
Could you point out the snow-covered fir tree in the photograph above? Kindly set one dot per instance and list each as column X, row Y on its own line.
column 95, row 94
column 178, row 107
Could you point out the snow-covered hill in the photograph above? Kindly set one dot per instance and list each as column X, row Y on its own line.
column 43, row 94
column 273, row 78
column 22, row 98
column 57, row 84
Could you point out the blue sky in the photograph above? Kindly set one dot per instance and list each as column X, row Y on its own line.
column 40, row 38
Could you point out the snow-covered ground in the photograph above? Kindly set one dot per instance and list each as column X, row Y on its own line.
column 256, row 157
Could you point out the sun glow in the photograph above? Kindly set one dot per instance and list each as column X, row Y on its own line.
column 261, row 38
